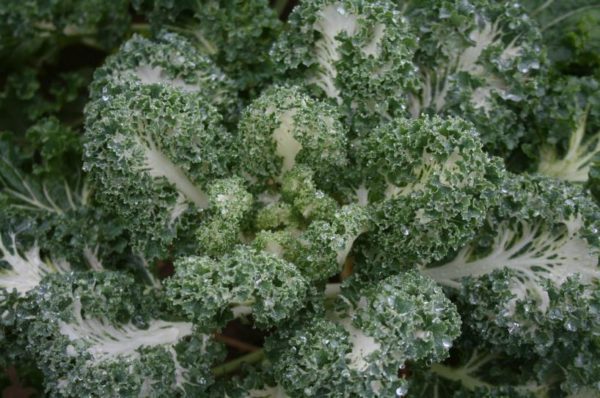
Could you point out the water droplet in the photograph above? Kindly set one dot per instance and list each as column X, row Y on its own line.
column 511, row 97
column 105, row 96
column 473, row 300
column 570, row 326
column 446, row 343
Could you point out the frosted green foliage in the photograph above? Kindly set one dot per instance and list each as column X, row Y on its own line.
column 229, row 205
column 570, row 32
column 242, row 282
column 58, row 146
column 574, row 165
column 28, row 95
column 49, row 210
column 285, row 127
column 498, row 392
column 323, row 248
column 535, row 253
column 481, row 60
column 12, row 347
column 27, row 194
column 22, row 269
column 152, row 150
column 309, row 359
column 407, row 316
column 299, row 189
column 358, row 53
column 476, row 372
column 545, row 232
column 431, row 185
column 563, row 333
column 312, row 183
column 567, row 126
column 169, row 59
column 59, row 213
column 554, row 117
column 19, row 103
column 358, row 349
column 257, row 383
column 526, row 284
column 298, row 203
column 274, row 214
column 281, row 243
column 237, row 34
column 39, row 27
column 116, row 341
